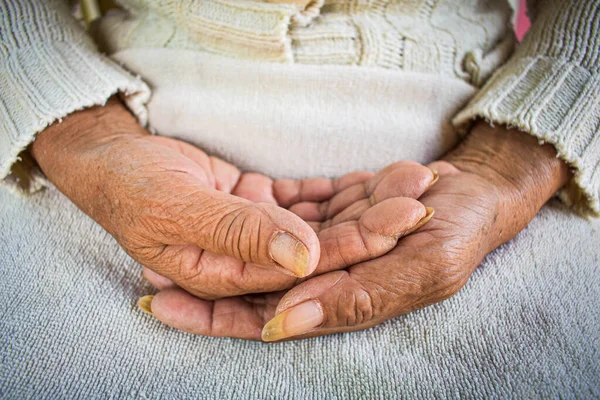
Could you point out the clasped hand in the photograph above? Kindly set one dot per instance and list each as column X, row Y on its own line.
column 238, row 254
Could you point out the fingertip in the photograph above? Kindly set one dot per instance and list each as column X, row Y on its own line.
column 181, row 310
column 286, row 192
column 429, row 214
column 294, row 321
column 290, row 253
column 405, row 180
column 255, row 187
column 293, row 244
column 393, row 217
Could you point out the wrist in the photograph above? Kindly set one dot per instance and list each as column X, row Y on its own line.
column 75, row 154
column 522, row 174
column 82, row 131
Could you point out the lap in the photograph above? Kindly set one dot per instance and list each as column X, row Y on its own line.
column 526, row 322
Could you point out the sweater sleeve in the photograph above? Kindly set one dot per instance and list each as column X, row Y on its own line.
column 50, row 68
column 550, row 88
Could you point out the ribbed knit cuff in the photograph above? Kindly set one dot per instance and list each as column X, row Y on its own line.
column 44, row 82
column 558, row 102
column 551, row 89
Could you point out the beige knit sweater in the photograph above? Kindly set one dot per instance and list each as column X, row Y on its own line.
column 550, row 87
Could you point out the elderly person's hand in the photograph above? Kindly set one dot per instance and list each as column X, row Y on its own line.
column 489, row 189
column 196, row 221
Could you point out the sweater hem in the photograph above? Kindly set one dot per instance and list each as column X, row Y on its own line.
column 556, row 101
column 49, row 81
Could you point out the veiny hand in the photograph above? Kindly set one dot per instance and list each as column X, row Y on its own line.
column 194, row 220
column 489, row 189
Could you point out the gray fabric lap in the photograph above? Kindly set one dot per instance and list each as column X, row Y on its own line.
column 69, row 326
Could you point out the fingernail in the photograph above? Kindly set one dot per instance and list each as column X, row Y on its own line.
column 430, row 211
column 436, row 177
column 144, row 304
column 294, row 321
column 290, row 253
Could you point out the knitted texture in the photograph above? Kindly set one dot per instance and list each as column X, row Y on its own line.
column 50, row 68
column 526, row 325
column 551, row 89
column 420, row 36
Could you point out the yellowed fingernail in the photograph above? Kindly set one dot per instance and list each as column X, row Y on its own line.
column 430, row 211
column 436, row 177
column 294, row 321
column 144, row 303
column 290, row 253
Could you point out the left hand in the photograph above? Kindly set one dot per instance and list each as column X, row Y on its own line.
column 489, row 189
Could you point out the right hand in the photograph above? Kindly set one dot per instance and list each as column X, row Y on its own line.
column 201, row 223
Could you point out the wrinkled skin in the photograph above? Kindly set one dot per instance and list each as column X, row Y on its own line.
column 488, row 190
column 199, row 222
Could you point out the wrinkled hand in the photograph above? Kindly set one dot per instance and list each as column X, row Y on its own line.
column 200, row 223
column 489, row 189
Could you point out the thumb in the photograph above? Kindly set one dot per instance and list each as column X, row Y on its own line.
column 338, row 301
column 259, row 233
column 308, row 306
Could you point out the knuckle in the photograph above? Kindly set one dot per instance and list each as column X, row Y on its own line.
column 447, row 281
column 237, row 233
column 355, row 305
column 206, row 276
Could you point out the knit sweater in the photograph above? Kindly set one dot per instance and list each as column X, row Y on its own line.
column 549, row 87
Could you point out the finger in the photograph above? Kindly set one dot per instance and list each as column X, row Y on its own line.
column 210, row 276
column 401, row 179
column 158, row 281
column 288, row 191
column 313, row 211
column 410, row 181
column 255, row 187
column 373, row 235
column 262, row 234
column 241, row 317
column 405, row 180
column 343, row 245
column 342, row 200
column 365, row 294
column 411, row 168
column 309, row 211
column 381, row 194
column 444, row 168
column 335, row 302
column 223, row 175
column 350, row 213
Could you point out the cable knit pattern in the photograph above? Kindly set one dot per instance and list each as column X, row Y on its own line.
column 421, row 36
column 549, row 88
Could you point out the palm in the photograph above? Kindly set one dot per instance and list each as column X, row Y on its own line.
column 362, row 219
column 425, row 267
column 350, row 227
